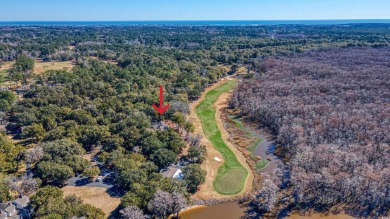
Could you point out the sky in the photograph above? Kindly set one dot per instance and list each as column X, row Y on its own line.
column 143, row 10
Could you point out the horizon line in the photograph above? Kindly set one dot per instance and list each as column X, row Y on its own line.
column 331, row 19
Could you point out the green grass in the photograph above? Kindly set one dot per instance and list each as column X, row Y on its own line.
column 254, row 146
column 261, row 164
column 3, row 77
column 231, row 176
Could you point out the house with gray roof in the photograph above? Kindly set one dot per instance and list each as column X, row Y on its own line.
column 21, row 202
column 173, row 171
column 9, row 211
column 16, row 209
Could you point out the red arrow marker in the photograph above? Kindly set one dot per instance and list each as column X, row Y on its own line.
column 161, row 109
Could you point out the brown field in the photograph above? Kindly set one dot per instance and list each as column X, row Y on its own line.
column 41, row 67
column 97, row 197
column 6, row 65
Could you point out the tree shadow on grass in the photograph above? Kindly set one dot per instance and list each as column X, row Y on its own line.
column 116, row 192
column 82, row 182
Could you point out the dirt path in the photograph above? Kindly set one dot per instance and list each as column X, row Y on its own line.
column 211, row 164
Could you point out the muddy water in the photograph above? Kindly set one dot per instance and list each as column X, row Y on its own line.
column 230, row 210
column 266, row 148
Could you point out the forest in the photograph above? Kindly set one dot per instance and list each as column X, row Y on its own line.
column 330, row 112
column 322, row 90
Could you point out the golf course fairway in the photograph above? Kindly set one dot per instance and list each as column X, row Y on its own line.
column 231, row 176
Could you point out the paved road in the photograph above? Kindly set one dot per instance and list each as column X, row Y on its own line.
column 84, row 181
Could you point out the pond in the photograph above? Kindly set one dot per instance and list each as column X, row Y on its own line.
column 230, row 210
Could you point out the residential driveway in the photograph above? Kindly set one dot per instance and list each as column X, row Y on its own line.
column 84, row 181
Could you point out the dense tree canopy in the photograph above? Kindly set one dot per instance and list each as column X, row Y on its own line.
column 330, row 112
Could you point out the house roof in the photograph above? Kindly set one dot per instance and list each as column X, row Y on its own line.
column 22, row 201
column 3, row 206
column 10, row 209
column 172, row 172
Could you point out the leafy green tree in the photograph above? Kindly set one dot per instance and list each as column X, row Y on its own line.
column 9, row 96
column 25, row 118
column 151, row 143
column 24, row 63
column 90, row 212
column 15, row 77
column 112, row 143
column 4, row 105
column 53, row 172
column 92, row 136
column 171, row 140
column 194, row 176
column 65, row 152
column 128, row 178
column 233, row 69
column 4, row 190
column 49, row 123
column 36, row 131
column 91, row 172
column 55, row 134
column 163, row 157
column 132, row 199
column 179, row 119
column 47, row 200
column 23, row 69
column 82, row 117
column 189, row 127
column 10, row 154
column 61, row 149
column 197, row 154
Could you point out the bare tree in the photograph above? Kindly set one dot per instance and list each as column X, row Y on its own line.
column 132, row 212
column 24, row 185
column 161, row 204
column 330, row 113
column 179, row 202
column 33, row 155
column 267, row 196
